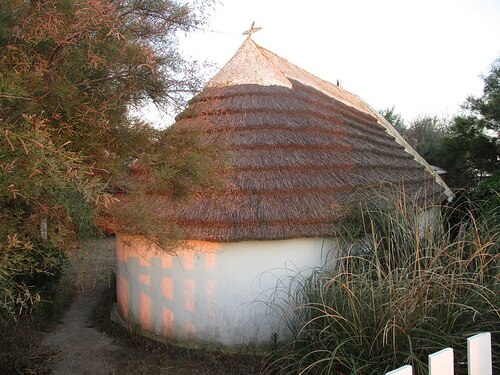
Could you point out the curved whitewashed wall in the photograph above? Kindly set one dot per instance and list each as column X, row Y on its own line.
column 211, row 293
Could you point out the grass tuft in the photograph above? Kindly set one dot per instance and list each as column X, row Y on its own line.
column 406, row 284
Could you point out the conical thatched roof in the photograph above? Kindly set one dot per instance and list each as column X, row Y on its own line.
column 301, row 146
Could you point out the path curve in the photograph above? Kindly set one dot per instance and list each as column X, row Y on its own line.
column 81, row 348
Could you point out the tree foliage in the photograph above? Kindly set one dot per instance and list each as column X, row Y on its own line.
column 471, row 152
column 466, row 147
column 70, row 73
column 487, row 108
column 394, row 118
column 426, row 134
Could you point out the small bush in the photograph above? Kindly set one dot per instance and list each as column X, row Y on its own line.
column 29, row 272
column 31, row 300
column 487, row 194
column 403, row 288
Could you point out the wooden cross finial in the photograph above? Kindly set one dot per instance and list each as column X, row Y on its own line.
column 252, row 30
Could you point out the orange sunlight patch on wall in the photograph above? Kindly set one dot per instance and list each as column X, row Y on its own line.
column 189, row 295
column 145, row 309
column 122, row 252
column 166, row 261
column 167, row 288
column 210, row 261
column 134, row 247
column 145, row 279
column 188, row 261
column 122, row 294
column 205, row 246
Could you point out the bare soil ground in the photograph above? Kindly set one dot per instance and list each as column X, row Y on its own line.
column 80, row 348
column 86, row 342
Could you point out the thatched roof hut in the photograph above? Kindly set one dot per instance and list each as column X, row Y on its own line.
column 300, row 148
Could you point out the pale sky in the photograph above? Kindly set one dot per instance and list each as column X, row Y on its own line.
column 424, row 57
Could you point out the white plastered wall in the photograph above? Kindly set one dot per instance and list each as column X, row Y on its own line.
column 212, row 293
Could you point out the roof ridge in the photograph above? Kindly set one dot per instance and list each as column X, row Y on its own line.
column 249, row 66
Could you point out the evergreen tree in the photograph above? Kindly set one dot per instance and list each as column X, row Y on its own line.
column 471, row 151
column 467, row 147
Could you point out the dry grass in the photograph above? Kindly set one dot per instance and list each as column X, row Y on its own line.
column 407, row 287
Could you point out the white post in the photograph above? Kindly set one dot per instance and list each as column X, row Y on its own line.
column 441, row 363
column 405, row 370
column 479, row 354
column 43, row 229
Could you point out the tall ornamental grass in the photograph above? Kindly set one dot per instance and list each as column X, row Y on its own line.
column 406, row 284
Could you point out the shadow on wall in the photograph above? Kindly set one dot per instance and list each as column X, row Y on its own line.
column 164, row 293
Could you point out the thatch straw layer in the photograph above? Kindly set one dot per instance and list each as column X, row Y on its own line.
column 294, row 164
column 301, row 149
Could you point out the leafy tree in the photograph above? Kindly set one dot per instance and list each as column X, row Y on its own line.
column 425, row 134
column 487, row 108
column 394, row 118
column 471, row 152
column 70, row 73
column 467, row 147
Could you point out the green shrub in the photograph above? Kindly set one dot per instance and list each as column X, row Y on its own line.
column 487, row 194
column 29, row 271
column 402, row 288
column 32, row 300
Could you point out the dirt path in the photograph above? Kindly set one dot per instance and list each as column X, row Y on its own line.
column 81, row 348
